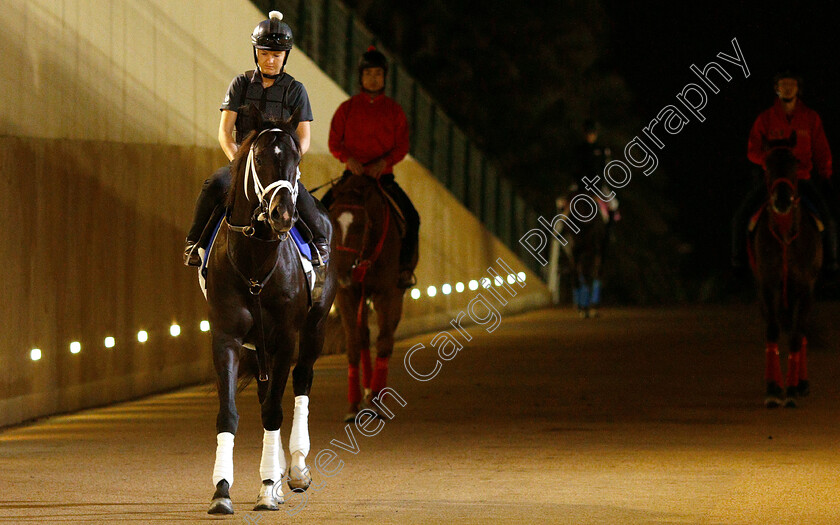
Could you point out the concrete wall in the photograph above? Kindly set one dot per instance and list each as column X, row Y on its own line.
column 107, row 129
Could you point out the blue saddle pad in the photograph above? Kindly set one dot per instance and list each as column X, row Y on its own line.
column 302, row 245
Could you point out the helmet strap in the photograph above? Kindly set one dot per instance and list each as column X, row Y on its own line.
column 272, row 77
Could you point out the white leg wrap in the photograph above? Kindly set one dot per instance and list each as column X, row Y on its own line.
column 299, row 438
column 223, row 469
column 273, row 463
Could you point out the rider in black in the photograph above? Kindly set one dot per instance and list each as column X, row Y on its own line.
column 277, row 95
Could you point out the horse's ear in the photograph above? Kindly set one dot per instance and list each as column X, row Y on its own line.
column 254, row 114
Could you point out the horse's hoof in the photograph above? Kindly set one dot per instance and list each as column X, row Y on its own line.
column 221, row 506
column 266, row 499
column 349, row 417
column 772, row 402
column 299, row 484
column 790, row 397
column 592, row 313
column 582, row 314
column 803, row 388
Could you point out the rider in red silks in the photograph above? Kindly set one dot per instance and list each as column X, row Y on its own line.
column 788, row 116
column 369, row 133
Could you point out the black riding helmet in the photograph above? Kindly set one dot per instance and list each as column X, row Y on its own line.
column 372, row 58
column 274, row 35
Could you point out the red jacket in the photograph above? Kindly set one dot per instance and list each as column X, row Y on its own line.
column 366, row 129
column 811, row 148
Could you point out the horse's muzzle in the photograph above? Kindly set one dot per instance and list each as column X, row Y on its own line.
column 281, row 214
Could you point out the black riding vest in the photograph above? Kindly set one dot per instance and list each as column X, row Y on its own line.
column 272, row 102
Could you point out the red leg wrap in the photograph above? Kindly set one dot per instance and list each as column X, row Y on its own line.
column 773, row 371
column 793, row 369
column 380, row 375
column 366, row 368
column 354, row 394
column 803, row 360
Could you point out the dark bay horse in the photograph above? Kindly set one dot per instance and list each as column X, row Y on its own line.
column 258, row 295
column 366, row 260
column 584, row 251
column 787, row 256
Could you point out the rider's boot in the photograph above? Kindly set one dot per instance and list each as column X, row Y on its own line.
column 319, row 265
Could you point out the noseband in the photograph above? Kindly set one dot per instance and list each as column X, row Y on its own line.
column 261, row 192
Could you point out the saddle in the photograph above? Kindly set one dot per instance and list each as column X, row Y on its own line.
column 205, row 250
column 350, row 182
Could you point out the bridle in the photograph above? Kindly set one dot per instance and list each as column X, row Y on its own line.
column 363, row 264
column 265, row 194
column 780, row 223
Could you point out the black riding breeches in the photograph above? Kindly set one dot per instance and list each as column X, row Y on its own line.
column 212, row 194
column 811, row 192
column 412, row 218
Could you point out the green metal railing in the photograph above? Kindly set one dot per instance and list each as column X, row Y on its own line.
column 331, row 35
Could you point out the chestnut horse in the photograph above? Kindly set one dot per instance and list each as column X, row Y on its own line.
column 366, row 260
column 258, row 296
column 787, row 256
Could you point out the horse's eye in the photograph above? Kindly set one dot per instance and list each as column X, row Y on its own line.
column 257, row 161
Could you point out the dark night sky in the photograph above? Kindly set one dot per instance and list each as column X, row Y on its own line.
column 652, row 44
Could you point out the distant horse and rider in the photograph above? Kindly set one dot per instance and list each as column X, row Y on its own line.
column 584, row 251
column 261, row 298
column 368, row 231
column 786, row 257
column 376, row 225
column 794, row 231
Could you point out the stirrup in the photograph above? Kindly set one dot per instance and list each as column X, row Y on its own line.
column 320, row 272
column 191, row 256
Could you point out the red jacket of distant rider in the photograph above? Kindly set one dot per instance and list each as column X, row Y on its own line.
column 368, row 128
column 811, row 149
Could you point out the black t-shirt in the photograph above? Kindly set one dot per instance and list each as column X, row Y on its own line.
column 277, row 102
